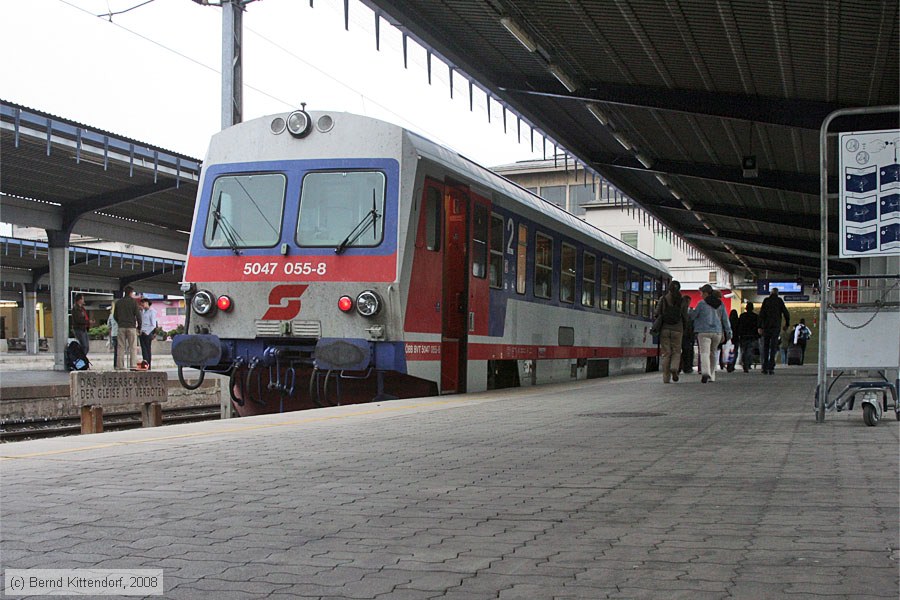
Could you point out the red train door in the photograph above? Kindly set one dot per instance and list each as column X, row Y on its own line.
column 455, row 296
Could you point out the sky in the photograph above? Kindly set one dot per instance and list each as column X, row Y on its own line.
column 152, row 73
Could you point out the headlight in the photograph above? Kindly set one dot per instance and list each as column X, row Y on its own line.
column 203, row 303
column 299, row 123
column 368, row 303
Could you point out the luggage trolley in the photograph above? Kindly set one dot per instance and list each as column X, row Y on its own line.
column 862, row 316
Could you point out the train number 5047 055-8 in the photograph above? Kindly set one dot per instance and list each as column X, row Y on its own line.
column 291, row 268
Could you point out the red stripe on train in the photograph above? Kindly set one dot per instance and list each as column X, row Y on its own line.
column 292, row 268
column 432, row 351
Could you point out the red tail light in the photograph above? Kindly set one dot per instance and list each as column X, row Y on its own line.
column 224, row 303
column 345, row 303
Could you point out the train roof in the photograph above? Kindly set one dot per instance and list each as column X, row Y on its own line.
column 439, row 154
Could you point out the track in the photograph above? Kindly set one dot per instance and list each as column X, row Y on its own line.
column 12, row 431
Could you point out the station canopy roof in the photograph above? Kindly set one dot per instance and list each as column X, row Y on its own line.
column 667, row 99
column 63, row 176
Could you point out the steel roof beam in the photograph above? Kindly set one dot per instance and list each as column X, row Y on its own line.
column 774, row 180
column 761, row 216
column 804, row 114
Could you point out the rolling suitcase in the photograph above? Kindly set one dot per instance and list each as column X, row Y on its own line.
column 795, row 355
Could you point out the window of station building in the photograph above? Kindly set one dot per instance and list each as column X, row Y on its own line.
column 621, row 289
column 174, row 311
column 433, row 219
column 649, row 296
column 662, row 247
column 588, row 279
column 245, row 211
column 521, row 258
column 568, row 261
column 606, row 284
column 713, row 276
column 533, row 190
column 479, row 241
column 496, row 268
column 543, row 266
column 555, row 194
column 634, row 286
column 579, row 196
column 630, row 238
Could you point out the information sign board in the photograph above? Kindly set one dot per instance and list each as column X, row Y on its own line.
column 869, row 166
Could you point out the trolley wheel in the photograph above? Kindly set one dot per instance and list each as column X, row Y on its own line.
column 897, row 414
column 870, row 415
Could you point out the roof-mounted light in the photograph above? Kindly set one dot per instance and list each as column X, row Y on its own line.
column 299, row 123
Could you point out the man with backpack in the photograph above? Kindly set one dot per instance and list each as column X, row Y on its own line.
column 674, row 316
column 773, row 309
column 801, row 336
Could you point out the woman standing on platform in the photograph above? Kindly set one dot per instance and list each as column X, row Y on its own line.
column 711, row 326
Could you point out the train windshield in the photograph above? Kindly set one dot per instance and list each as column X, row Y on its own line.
column 341, row 209
column 245, row 211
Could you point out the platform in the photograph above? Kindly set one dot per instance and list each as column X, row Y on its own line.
column 612, row 488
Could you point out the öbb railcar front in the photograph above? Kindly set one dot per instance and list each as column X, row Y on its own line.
column 337, row 259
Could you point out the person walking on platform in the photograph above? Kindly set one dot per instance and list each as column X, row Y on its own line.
column 674, row 317
column 687, row 339
column 770, row 314
column 801, row 336
column 128, row 315
column 81, row 322
column 148, row 330
column 731, row 357
column 712, row 326
column 747, row 336
column 113, row 333
column 784, row 342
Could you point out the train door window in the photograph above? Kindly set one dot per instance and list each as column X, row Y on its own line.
column 433, row 210
column 479, row 241
column 341, row 209
column 621, row 289
column 649, row 296
column 569, row 259
column 588, row 278
column 606, row 284
column 521, row 258
column 634, row 286
column 543, row 266
column 245, row 211
column 496, row 266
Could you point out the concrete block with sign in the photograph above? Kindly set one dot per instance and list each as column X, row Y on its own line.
column 94, row 390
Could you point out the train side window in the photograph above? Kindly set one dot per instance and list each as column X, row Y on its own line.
column 606, row 284
column 569, row 258
column 621, row 289
column 496, row 267
column 588, row 278
column 433, row 219
column 543, row 266
column 649, row 296
column 521, row 258
column 341, row 209
column 245, row 211
column 479, row 241
column 634, row 285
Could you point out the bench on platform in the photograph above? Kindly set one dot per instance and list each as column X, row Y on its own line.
column 18, row 345
column 94, row 390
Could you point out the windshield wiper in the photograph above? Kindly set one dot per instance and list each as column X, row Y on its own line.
column 231, row 236
column 369, row 219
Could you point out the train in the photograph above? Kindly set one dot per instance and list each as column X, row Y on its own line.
column 336, row 258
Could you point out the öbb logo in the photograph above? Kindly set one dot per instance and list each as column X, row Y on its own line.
column 284, row 302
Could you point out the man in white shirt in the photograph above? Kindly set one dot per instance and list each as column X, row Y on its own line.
column 148, row 329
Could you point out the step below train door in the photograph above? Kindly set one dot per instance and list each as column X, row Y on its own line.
column 455, row 296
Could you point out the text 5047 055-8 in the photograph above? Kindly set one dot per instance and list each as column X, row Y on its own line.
column 290, row 268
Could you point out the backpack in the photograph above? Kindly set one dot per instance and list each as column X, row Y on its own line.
column 76, row 359
column 671, row 314
column 804, row 334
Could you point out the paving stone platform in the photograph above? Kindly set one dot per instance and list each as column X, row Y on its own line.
column 614, row 488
